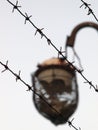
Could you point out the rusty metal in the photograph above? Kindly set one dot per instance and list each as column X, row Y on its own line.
column 71, row 39
column 56, row 83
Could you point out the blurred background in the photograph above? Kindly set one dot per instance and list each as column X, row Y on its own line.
column 24, row 51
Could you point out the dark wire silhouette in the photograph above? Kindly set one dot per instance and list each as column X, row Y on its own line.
column 40, row 31
column 30, row 88
column 90, row 11
column 60, row 52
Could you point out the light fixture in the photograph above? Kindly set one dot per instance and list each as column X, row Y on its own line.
column 55, row 84
column 55, row 81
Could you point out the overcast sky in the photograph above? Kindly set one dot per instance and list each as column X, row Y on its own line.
column 24, row 51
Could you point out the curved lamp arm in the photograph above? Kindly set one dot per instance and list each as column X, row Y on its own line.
column 71, row 39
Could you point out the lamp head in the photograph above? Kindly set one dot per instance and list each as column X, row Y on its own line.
column 55, row 81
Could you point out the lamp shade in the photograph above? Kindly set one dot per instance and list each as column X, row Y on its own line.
column 55, row 81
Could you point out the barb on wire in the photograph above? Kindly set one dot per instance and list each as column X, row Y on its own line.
column 5, row 66
column 60, row 52
column 18, row 76
column 51, row 43
column 30, row 88
column 70, row 123
column 85, row 4
column 40, row 32
column 16, row 6
column 27, row 18
column 90, row 11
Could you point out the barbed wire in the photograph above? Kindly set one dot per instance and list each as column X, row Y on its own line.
column 60, row 52
column 90, row 11
column 30, row 88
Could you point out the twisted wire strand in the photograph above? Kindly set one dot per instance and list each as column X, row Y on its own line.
column 30, row 88
column 90, row 11
column 40, row 31
column 60, row 52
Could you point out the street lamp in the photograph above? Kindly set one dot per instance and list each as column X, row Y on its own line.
column 55, row 83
